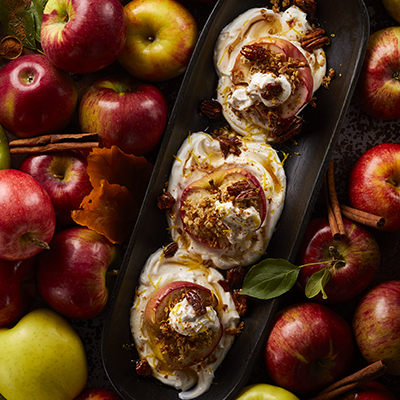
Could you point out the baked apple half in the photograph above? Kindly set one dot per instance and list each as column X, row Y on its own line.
column 273, row 73
column 223, row 207
column 183, row 323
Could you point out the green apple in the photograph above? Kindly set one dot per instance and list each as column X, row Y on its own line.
column 393, row 8
column 5, row 157
column 264, row 391
column 41, row 358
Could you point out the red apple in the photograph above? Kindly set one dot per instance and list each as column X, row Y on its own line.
column 374, row 184
column 369, row 391
column 17, row 289
column 227, row 181
column 65, row 179
column 283, row 50
column 310, row 347
column 376, row 325
column 157, row 311
column 98, row 394
column 354, row 260
column 27, row 215
column 378, row 89
column 71, row 276
column 83, row 36
column 124, row 112
column 36, row 97
column 160, row 40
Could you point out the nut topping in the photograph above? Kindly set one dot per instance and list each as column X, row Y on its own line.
column 314, row 39
column 248, row 194
column 195, row 301
column 287, row 129
column 166, row 201
column 211, row 109
column 308, row 6
column 143, row 368
column 272, row 90
column 254, row 52
column 170, row 249
column 229, row 145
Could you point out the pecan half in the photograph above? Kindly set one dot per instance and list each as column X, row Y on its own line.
column 235, row 276
column 287, row 129
column 238, row 187
column 240, row 301
column 253, row 52
column 194, row 299
column 314, row 39
column 166, row 201
column 211, row 109
column 248, row 194
column 170, row 249
column 272, row 90
column 308, row 6
column 229, row 145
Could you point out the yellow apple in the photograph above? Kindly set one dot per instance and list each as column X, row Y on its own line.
column 264, row 391
column 393, row 8
column 41, row 358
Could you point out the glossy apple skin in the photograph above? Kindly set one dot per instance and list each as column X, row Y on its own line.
column 393, row 8
column 359, row 251
column 83, row 36
column 369, row 391
column 42, row 357
column 36, row 97
column 26, row 212
column 161, row 38
column 65, row 179
column 264, row 391
column 5, row 156
column 17, row 289
column 374, row 184
column 71, row 276
column 376, row 325
column 378, row 91
column 310, row 347
column 124, row 112
column 98, row 394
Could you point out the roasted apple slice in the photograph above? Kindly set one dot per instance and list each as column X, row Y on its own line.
column 199, row 329
column 222, row 207
column 280, row 58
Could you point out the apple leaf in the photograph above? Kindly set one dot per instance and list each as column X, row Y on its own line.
column 317, row 283
column 115, row 166
column 36, row 11
column 16, row 20
column 270, row 278
column 109, row 209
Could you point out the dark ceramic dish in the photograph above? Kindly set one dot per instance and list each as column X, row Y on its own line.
column 347, row 22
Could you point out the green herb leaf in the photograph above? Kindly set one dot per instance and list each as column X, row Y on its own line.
column 317, row 283
column 270, row 278
column 36, row 11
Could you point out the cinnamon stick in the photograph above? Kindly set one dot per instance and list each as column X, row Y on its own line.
column 54, row 138
column 334, row 200
column 53, row 147
column 362, row 217
column 369, row 373
column 331, row 215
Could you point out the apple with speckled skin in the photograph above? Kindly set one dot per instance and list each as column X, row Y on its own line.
column 309, row 347
column 36, row 97
column 161, row 38
column 124, row 112
column 83, row 36
column 27, row 215
column 374, row 184
column 376, row 325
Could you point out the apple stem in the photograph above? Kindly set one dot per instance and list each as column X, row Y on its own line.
column 337, row 260
column 40, row 243
column 390, row 181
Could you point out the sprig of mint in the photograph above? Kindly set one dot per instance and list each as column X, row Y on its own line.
column 274, row 277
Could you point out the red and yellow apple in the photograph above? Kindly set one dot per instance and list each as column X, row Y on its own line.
column 161, row 37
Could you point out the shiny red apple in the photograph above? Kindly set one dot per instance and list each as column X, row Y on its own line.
column 97, row 393
column 376, row 325
column 369, row 391
column 374, row 184
column 71, row 276
column 64, row 177
column 161, row 37
column 309, row 347
column 378, row 89
column 36, row 97
column 124, row 112
column 17, row 289
column 83, row 36
column 352, row 262
column 27, row 215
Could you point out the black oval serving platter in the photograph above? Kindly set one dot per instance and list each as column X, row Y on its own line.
column 347, row 23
